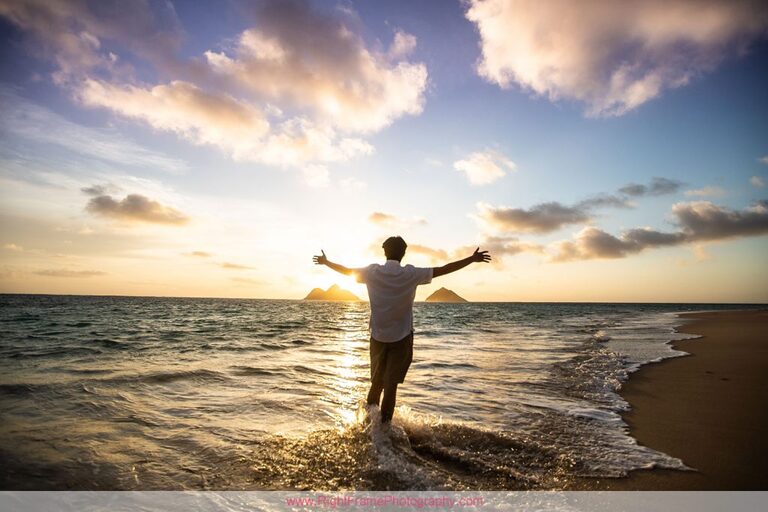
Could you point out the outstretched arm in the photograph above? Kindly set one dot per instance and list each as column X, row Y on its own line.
column 323, row 260
column 477, row 257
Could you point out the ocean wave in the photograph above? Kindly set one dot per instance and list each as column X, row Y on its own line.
column 61, row 351
column 447, row 365
column 249, row 370
column 165, row 377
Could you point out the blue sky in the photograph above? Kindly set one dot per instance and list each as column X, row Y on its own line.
column 210, row 149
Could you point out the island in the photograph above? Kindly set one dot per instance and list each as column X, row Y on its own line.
column 335, row 292
column 445, row 295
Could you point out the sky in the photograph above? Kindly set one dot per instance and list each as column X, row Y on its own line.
column 601, row 151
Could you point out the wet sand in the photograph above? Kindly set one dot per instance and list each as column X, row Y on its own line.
column 709, row 409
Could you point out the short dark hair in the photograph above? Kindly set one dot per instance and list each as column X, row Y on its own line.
column 394, row 248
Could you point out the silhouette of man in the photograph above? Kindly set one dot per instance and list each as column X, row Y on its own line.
column 391, row 290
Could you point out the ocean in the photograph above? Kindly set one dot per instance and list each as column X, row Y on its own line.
column 102, row 393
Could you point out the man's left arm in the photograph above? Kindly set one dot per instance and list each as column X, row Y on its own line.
column 477, row 257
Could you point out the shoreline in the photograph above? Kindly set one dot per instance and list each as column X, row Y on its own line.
column 706, row 408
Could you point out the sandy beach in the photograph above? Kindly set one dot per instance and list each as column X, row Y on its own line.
column 707, row 409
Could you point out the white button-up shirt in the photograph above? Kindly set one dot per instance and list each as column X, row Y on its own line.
column 391, row 290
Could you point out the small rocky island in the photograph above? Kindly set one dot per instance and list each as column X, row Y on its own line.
column 445, row 295
column 335, row 292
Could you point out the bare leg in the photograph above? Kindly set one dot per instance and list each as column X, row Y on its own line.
column 375, row 393
column 388, row 404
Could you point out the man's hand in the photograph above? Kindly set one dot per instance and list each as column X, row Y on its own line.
column 320, row 260
column 480, row 256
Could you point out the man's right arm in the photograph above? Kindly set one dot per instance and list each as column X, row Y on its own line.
column 323, row 260
column 477, row 257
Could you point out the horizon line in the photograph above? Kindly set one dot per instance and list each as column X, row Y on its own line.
column 361, row 300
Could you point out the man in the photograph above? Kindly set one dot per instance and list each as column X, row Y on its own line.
column 391, row 290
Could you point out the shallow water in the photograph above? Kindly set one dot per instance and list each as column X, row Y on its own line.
column 177, row 393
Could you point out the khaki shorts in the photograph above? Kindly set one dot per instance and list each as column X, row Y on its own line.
column 390, row 361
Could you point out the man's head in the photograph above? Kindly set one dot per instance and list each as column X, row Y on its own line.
column 394, row 248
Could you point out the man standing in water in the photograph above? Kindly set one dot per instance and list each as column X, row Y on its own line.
column 391, row 290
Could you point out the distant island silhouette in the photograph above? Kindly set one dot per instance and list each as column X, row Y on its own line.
column 335, row 292
column 445, row 295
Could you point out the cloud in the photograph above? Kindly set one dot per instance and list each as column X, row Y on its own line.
column 708, row 191
column 69, row 273
column 26, row 120
column 13, row 247
column 403, row 45
column 298, row 86
column 200, row 254
column 612, row 56
column 496, row 245
column 318, row 62
column 220, row 120
column 352, row 184
column 508, row 246
column 234, row 266
column 551, row 216
column 100, row 190
column 436, row 255
column 593, row 243
column 763, row 160
column 704, row 221
column 657, row 187
column 389, row 220
column 382, row 218
column 316, row 175
column 484, row 167
column 72, row 34
column 757, row 181
column 135, row 208
column 542, row 218
column 699, row 221
column 604, row 200
column 183, row 108
column 499, row 247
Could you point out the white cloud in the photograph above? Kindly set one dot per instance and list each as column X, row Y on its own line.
column 613, row 56
column 352, row 184
column 183, row 108
column 316, row 175
column 763, row 160
column 389, row 220
column 402, row 45
column 484, row 167
column 317, row 62
column 232, row 125
column 708, row 191
column 757, row 181
column 299, row 86
column 25, row 119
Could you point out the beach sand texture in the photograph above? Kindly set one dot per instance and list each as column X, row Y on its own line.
column 708, row 408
